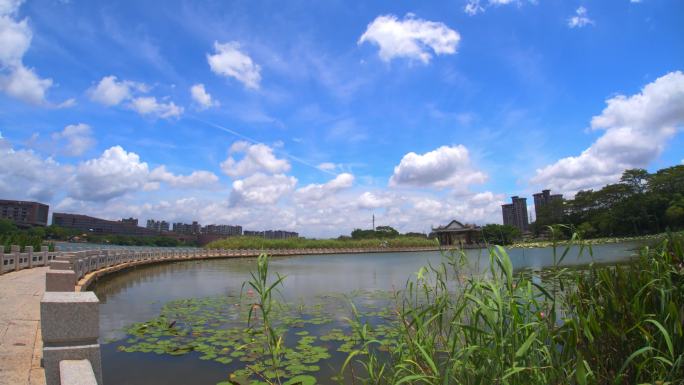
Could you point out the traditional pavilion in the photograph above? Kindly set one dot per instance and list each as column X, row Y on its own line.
column 456, row 233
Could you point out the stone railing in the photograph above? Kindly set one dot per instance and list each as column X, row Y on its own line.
column 69, row 315
column 16, row 260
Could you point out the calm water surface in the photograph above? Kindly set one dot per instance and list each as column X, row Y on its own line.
column 138, row 295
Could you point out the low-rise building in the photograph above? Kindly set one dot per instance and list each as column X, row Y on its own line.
column 226, row 230
column 456, row 233
column 185, row 228
column 272, row 234
column 94, row 225
column 24, row 213
column 131, row 221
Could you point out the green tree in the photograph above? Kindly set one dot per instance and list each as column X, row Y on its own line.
column 636, row 179
column 7, row 227
column 675, row 213
column 500, row 234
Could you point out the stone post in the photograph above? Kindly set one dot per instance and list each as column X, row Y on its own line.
column 29, row 252
column 69, row 323
column 76, row 372
column 15, row 254
column 60, row 280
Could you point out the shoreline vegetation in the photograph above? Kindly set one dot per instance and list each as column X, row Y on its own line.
column 593, row 241
column 606, row 324
column 256, row 243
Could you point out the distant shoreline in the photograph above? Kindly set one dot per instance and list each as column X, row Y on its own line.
column 594, row 241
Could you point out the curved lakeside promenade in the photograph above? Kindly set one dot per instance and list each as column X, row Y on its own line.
column 49, row 322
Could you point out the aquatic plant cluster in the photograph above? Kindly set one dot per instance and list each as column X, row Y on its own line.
column 600, row 324
column 231, row 330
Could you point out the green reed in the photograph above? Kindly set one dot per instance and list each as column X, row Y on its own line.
column 602, row 325
column 264, row 290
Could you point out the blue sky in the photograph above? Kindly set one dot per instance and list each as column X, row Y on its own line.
column 312, row 116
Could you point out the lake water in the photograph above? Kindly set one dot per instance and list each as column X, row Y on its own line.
column 143, row 293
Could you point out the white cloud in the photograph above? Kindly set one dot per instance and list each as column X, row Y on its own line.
column 473, row 7
column 115, row 173
column 412, row 38
column 580, row 19
column 447, row 166
column 374, row 200
column 327, row 166
column 111, row 92
column 118, row 183
column 197, row 179
column 261, row 189
column 17, row 80
column 227, row 60
column 9, row 7
column 148, row 105
column 637, row 129
column 316, row 192
column 26, row 175
column 257, row 158
column 15, row 39
column 75, row 139
column 201, row 97
column 23, row 83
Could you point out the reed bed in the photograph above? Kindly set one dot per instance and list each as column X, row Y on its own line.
column 600, row 325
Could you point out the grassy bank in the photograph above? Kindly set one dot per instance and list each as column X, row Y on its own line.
column 236, row 243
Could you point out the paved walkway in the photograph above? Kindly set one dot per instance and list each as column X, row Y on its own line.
column 20, row 341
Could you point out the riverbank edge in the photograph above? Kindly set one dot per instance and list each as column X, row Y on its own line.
column 85, row 283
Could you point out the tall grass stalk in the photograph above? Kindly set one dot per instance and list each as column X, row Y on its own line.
column 264, row 288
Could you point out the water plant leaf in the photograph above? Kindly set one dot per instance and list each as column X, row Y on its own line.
column 301, row 380
column 526, row 345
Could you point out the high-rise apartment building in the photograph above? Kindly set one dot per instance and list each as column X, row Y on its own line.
column 548, row 208
column 24, row 213
column 158, row 226
column 515, row 213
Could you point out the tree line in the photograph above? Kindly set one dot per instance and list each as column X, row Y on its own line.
column 640, row 203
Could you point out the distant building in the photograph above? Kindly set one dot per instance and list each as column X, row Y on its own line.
column 158, row 226
column 272, row 234
column 99, row 226
column 130, row 221
column 456, row 233
column 184, row 228
column 24, row 213
column 226, row 230
column 515, row 213
column 548, row 208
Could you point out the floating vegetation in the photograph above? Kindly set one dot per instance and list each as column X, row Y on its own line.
column 219, row 329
